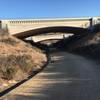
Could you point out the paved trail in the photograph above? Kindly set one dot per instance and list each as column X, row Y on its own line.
column 69, row 77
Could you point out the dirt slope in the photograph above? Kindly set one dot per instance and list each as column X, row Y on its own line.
column 87, row 44
column 18, row 59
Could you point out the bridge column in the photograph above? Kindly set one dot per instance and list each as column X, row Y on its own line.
column 94, row 21
column 4, row 26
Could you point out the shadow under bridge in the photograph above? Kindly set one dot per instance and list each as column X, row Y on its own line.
column 44, row 30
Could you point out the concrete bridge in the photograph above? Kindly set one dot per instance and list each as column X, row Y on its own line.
column 41, row 38
column 23, row 28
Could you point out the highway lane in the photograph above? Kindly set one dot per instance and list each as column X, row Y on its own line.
column 67, row 77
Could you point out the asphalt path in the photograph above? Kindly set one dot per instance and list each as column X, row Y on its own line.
column 67, row 77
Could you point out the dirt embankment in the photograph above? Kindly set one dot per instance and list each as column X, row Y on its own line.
column 18, row 59
column 87, row 44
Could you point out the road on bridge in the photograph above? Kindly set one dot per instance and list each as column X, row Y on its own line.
column 68, row 77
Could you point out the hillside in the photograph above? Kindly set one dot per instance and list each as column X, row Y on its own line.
column 18, row 59
column 87, row 44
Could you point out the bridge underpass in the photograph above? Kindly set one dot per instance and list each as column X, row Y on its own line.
column 45, row 30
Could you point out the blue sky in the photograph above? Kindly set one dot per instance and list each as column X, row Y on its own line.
column 48, row 8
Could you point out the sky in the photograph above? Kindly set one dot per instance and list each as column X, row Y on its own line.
column 48, row 8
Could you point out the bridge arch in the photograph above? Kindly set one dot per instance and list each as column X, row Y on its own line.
column 44, row 30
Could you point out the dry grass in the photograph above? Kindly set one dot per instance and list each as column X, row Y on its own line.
column 17, row 57
column 87, row 45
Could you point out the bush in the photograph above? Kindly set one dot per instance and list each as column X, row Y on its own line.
column 7, row 66
column 24, row 62
column 8, row 72
column 10, row 64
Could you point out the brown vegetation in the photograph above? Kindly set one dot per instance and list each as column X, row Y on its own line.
column 87, row 44
column 18, row 59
